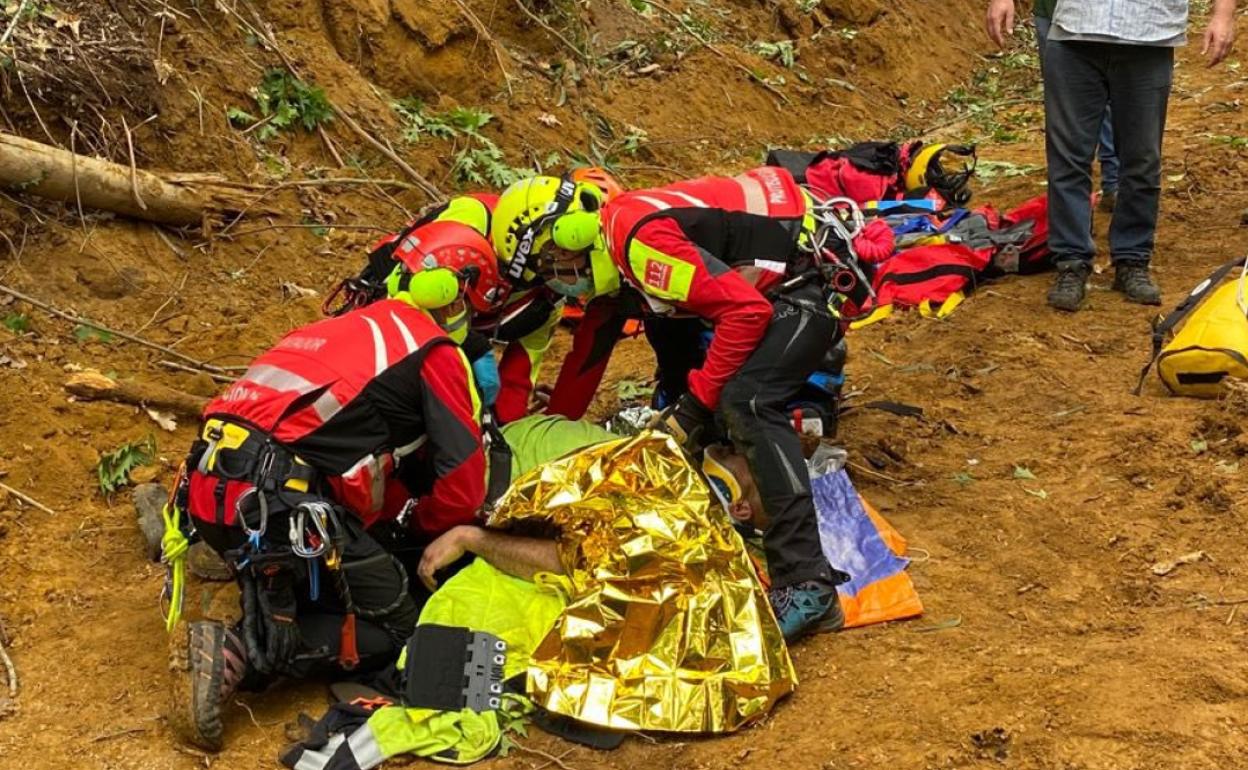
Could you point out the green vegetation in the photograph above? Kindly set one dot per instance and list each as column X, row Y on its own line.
column 481, row 162
column 115, row 466
column 780, row 51
column 285, row 103
column 18, row 323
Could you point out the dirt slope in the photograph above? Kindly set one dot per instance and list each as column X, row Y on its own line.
column 1068, row 653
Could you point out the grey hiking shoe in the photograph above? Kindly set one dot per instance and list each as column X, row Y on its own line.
column 208, row 662
column 1069, row 288
column 1135, row 282
column 806, row 608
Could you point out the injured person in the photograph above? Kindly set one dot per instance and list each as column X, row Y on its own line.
column 539, row 439
column 619, row 591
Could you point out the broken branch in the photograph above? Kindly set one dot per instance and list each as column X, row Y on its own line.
column 49, row 172
column 93, row 386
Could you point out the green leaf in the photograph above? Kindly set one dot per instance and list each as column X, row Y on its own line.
column 240, row 117
column 505, row 745
column 18, row 323
column 1040, row 493
column 631, row 390
column 1200, row 445
column 86, row 333
column 1023, row 472
column 285, row 115
column 113, row 471
column 520, row 728
column 288, row 102
column 964, row 478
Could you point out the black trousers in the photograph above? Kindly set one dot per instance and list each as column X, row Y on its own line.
column 754, row 411
column 386, row 609
column 1083, row 78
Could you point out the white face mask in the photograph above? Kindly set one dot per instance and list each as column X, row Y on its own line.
column 582, row 287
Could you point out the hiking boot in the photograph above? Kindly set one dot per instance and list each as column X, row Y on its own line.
column 805, row 608
column 1109, row 199
column 1069, row 288
column 1134, row 281
column 208, row 662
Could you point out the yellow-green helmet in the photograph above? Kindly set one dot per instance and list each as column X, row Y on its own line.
column 534, row 211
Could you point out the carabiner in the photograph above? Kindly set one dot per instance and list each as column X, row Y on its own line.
column 299, row 527
column 263, row 505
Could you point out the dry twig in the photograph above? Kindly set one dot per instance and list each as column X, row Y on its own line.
column 17, row 16
column 551, row 759
column 495, row 46
column 93, row 324
column 538, row 20
column 10, row 671
column 691, row 32
column 26, row 498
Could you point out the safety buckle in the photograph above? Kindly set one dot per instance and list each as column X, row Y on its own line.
column 406, row 512
column 452, row 668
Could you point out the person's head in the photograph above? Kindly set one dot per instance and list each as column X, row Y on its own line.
column 446, row 269
column 729, row 476
column 549, row 228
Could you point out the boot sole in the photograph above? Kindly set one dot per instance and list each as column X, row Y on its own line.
column 184, row 695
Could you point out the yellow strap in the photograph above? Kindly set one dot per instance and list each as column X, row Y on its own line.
column 950, row 304
column 925, row 309
column 879, row 314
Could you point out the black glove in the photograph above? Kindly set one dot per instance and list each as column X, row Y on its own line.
column 689, row 422
column 276, row 611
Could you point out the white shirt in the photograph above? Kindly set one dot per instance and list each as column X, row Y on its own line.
column 1142, row 22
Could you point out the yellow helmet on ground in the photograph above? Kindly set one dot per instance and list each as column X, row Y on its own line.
column 926, row 172
column 538, row 210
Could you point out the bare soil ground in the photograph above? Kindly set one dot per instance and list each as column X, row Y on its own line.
column 1048, row 642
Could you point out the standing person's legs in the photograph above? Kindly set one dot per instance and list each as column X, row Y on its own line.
column 1139, row 82
column 754, row 409
column 1108, row 156
column 1073, row 115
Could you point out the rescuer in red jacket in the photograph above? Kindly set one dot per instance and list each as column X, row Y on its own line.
column 733, row 253
column 522, row 315
column 368, row 417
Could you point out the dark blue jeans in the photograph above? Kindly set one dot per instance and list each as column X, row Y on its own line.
column 1105, row 147
column 1083, row 79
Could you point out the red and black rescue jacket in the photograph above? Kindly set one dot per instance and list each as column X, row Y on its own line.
column 711, row 247
column 354, row 397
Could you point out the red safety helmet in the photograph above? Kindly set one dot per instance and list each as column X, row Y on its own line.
column 453, row 247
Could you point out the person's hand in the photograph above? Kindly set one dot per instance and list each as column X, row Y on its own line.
column 1219, row 36
column 1000, row 21
column 539, row 399
column 485, row 372
column 687, row 422
column 443, row 552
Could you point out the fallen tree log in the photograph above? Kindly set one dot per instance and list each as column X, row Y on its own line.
column 93, row 386
column 172, row 199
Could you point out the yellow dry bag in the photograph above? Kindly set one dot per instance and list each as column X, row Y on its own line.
column 1213, row 343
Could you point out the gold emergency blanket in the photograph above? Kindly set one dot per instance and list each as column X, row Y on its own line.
column 667, row 626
